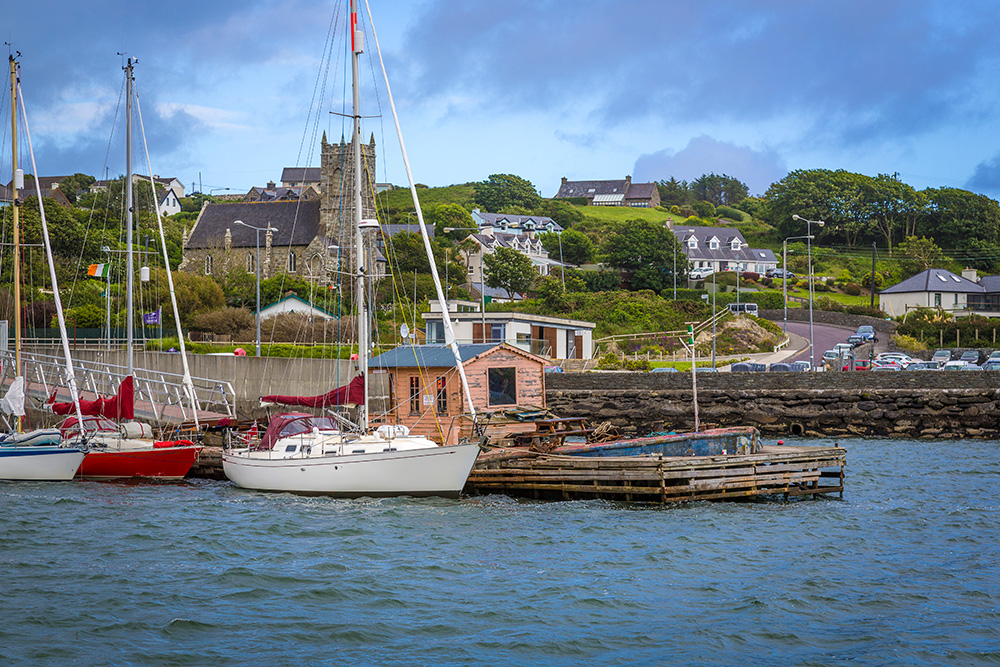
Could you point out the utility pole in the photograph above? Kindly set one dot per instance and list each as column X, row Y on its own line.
column 872, row 304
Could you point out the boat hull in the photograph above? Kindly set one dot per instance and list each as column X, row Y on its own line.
column 39, row 463
column 165, row 463
column 433, row 471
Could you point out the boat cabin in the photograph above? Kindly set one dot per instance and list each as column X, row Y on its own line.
column 425, row 388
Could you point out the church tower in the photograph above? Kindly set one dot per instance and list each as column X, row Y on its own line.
column 336, row 215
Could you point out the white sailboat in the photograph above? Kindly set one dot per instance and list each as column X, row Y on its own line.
column 301, row 453
column 38, row 454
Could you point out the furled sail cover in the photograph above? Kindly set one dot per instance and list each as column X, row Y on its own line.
column 352, row 393
column 13, row 400
column 116, row 407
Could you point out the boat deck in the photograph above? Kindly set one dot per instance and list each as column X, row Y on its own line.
column 773, row 470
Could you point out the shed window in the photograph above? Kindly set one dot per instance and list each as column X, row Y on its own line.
column 442, row 395
column 414, row 395
column 503, row 386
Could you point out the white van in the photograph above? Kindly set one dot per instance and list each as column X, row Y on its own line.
column 740, row 308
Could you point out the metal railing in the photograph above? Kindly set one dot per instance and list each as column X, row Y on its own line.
column 161, row 389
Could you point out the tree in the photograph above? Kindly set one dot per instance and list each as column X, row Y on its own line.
column 922, row 254
column 504, row 190
column 576, row 247
column 446, row 215
column 674, row 192
column 634, row 244
column 510, row 270
column 75, row 185
column 719, row 190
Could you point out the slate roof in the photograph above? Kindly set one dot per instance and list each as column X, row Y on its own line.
column 297, row 223
column 536, row 222
column 935, row 280
column 515, row 241
column 428, row 356
column 279, row 193
column 641, row 191
column 991, row 284
column 475, row 290
column 300, row 175
column 591, row 188
column 724, row 253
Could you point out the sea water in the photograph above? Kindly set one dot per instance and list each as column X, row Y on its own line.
column 905, row 570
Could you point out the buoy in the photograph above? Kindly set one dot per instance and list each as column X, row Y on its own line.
column 781, row 442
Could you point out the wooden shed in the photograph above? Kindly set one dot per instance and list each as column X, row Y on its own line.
column 425, row 388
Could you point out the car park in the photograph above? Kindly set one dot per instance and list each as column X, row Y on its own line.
column 941, row 355
column 993, row 365
column 956, row 365
column 994, row 356
column 925, row 366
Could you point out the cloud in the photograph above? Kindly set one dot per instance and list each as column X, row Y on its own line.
column 703, row 155
column 986, row 178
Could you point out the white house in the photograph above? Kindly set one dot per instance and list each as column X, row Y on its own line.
column 169, row 203
column 490, row 241
column 934, row 288
column 507, row 223
column 552, row 337
column 722, row 249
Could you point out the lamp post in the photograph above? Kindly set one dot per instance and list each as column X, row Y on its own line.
column 784, row 277
column 257, row 262
column 213, row 190
column 705, row 297
column 809, row 236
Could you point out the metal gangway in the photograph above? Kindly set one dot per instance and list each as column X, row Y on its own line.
column 159, row 396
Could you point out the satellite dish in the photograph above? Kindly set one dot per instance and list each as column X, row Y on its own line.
column 404, row 331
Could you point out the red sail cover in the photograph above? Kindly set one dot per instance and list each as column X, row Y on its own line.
column 352, row 393
column 117, row 407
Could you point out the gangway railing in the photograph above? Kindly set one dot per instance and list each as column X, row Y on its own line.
column 159, row 388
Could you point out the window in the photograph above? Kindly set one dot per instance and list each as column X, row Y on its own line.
column 498, row 332
column 442, row 395
column 503, row 386
column 291, row 262
column 956, row 299
column 251, row 263
column 435, row 332
column 713, row 244
column 937, row 300
column 693, row 243
column 208, row 265
column 735, row 245
column 414, row 395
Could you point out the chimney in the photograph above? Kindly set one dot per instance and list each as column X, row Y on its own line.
column 270, row 185
column 563, row 181
column 628, row 179
column 970, row 274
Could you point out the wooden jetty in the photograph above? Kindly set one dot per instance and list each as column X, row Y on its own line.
column 594, row 471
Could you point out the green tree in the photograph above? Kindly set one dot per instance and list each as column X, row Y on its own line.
column 921, row 254
column 446, row 215
column 74, row 186
column 510, row 270
column 719, row 190
column 500, row 191
column 674, row 192
column 576, row 248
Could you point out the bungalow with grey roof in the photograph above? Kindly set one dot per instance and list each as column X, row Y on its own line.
column 722, row 249
column 611, row 193
column 515, row 224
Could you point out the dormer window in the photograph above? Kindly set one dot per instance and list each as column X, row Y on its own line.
column 692, row 243
column 735, row 245
column 713, row 243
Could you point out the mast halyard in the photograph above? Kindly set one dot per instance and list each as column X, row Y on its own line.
column 357, row 48
column 128, row 215
column 18, row 371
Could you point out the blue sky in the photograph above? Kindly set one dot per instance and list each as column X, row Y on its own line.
column 589, row 89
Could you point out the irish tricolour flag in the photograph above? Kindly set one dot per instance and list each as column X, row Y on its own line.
column 98, row 270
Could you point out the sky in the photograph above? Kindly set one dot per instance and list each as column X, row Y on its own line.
column 231, row 91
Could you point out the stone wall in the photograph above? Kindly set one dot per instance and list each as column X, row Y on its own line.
column 915, row 405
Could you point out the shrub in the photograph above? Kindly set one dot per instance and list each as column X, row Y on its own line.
column 637, row 365
column 908, row 343
column 826, row 303
column 226, row 321
column 750, row 275
column 730, row 213
column 704, row 209
column 675, row 209
column 865, row 310
column 853, row 289
column 609, row 362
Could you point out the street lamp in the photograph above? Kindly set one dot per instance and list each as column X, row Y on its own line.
column 809, row 224
column 784, row 278
column 269, row 228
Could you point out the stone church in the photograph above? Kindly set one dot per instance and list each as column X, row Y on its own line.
column 305, row 238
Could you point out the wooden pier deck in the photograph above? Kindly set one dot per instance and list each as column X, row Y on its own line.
column 773, row 470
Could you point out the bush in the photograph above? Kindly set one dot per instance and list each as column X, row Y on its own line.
column 226, row 322
column 826, row 303
column 609, row 362
column 637, row 365
column 704, row 209
column 853, row 289
column 908, row 343
column 750, row 275
column 865, row 310
column 730, row 213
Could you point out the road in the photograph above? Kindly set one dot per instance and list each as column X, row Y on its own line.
column 824, row 338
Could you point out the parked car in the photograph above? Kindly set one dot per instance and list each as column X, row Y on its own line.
column 925, row 366
column 857, row 340
column 971, row 356
column 747, row 367
column 866, row 331
column 994, row 356
column 886, row 367
column 748, row 308
column 707, row 369
column 898, row 357
column 553, row 369
column 859, row 365
column 664, row 369
column 700, row 273
column 800, row 366
column 957, row 365
column 779, row 273
column 991, row 365
column 941, row 355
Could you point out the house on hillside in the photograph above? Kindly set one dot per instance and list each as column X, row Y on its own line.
column 160, row 183
column 507, row 223
column 611, row 193
column 168, row 203
column 272, row 192
column 487, row 243
column 47, row 186
column 302, row 177
column 722, row 249
column 426, row 393
column 550, row 337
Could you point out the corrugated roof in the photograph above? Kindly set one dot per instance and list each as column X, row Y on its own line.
column 297, row 223
column 935, row 280
column 428, row 356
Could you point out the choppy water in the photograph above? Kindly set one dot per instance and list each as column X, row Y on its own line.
column 904, row 571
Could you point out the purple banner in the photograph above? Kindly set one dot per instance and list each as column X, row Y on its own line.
column 151, row 318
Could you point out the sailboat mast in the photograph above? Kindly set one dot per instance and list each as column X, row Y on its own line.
column 128, row 213
column 17, row 230
column 357, row 48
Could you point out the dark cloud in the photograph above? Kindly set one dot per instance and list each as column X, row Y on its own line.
column 856, row 69
column 986, row 178
column 703, row 155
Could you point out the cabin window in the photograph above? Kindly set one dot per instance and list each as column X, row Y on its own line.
column 414, row 395
column 291, row 262
column 251, row 263
column 442, row 395
column 503, row 386
column 208, row 265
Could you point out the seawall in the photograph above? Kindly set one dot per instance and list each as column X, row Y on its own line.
column 903, row 404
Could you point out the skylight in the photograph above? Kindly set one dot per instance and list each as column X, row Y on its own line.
column 955, row 278
column 942, row 278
